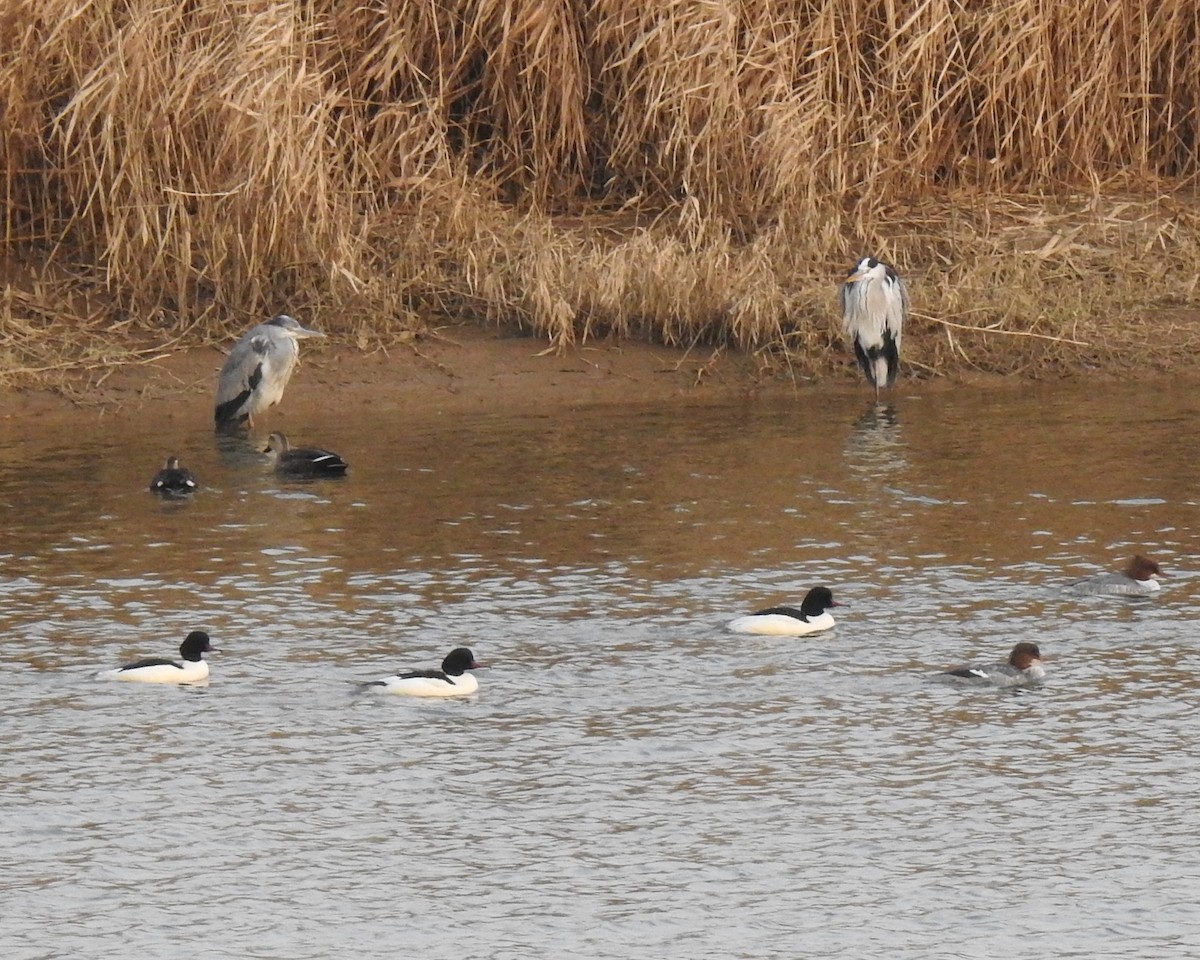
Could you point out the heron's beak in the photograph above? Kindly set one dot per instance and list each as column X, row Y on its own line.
column 856, row 276
column 306, row 332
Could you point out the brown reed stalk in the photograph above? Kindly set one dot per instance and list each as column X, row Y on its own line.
column 688, row 171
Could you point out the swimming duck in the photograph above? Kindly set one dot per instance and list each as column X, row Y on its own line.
column 161, row 670
column 788, row 621
column 173, row 480
column 1138, row 579
column 302, row 463
column 452, row 680
column 1023, row 667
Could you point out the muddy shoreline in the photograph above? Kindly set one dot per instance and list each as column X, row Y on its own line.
column 461, row 369
column 458, row 370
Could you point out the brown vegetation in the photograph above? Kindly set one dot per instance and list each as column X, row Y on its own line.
column 687, row 172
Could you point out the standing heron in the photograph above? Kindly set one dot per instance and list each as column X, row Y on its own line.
column 257, row 370
column 874, row 305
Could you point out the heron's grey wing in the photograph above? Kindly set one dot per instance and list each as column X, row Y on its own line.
column 240, row 377
column 897, row 310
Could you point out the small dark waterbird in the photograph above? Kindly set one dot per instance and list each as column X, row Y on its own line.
column 173, row 480
column 874, row 303
column 302, row 463
column 257, row 370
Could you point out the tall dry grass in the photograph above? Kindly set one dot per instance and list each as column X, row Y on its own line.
column 684, row 171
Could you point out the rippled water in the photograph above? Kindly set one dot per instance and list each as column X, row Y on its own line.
column 630, row 782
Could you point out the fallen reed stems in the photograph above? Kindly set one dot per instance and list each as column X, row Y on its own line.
column 683, row 172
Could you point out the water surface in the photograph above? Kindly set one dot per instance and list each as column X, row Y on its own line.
column 631, row 781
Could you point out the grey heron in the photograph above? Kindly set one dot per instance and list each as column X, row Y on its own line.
column 258, row 369
column 173, row 480
column 302, row 463
column 874, row 304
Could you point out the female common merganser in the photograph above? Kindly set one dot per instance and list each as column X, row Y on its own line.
column 1024, row 666
column 1139, row 578
column 788, row 621
column 173, row 480
column 451, row 681
column 305, row 463
column 193, row 669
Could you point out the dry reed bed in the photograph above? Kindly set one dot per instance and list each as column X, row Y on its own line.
column 685, row 171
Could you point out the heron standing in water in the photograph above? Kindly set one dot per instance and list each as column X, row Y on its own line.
column 257, row 370
column 874, row 305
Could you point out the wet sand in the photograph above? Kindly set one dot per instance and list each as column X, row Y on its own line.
column 457, row 370
column 463, row 368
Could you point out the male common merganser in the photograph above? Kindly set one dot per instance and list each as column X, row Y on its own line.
column 450, row 681
column 303, row 463
column 173, row 480
column 1023, row 666
column 788, row 621
column 1139, row 578
column 193, row 669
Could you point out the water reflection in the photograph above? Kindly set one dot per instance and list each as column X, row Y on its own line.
column 687, row 788
column 239, row 449
column 875, row 446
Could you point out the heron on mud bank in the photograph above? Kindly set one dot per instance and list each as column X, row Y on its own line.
column 874, row 306
column 257, row 370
